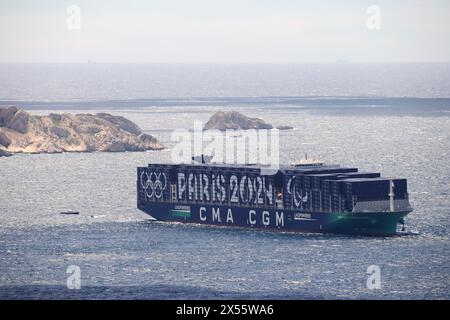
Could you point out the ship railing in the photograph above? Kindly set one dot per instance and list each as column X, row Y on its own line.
column 381, row 206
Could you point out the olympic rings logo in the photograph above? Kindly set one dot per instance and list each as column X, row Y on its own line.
column 154, row 184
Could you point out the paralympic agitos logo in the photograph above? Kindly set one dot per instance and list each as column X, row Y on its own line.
column 153, row 183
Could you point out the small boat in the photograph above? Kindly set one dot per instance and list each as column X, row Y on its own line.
column 69, row 212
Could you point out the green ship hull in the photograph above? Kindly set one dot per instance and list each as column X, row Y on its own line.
column 373, row 223
column 356, row 223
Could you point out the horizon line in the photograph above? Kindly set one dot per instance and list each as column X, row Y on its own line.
column 343, row 62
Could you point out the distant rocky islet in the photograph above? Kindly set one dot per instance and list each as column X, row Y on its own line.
column 235, row 120
column 21, row 132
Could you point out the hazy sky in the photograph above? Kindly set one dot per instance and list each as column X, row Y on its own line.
column 278, row 31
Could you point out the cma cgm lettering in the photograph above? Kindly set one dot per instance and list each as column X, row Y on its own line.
column 306, row 197
column 223, row 215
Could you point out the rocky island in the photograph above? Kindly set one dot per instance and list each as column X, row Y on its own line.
column 67, row 132
column 235, row 120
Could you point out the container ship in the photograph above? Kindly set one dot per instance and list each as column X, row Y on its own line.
column 305, row 196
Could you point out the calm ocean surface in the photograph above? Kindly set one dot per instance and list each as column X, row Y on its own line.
column 391, row 119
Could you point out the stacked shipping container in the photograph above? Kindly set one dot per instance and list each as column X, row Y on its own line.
column 319, row 189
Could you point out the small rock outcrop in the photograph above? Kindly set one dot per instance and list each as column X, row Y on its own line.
column 234, row 120
column 22, row 132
